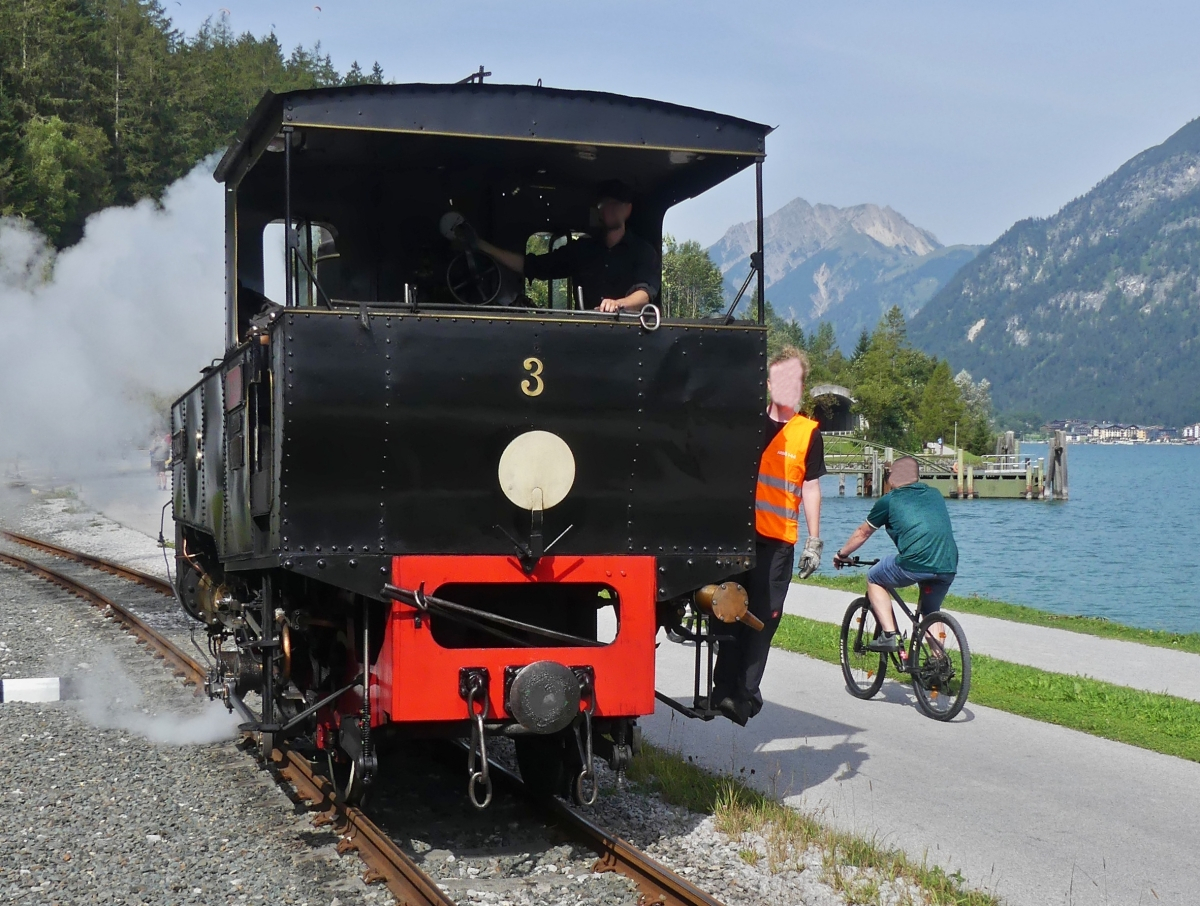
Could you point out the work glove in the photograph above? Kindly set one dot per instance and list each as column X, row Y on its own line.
column 455, row 227
column 465, row 234
column 810, row 558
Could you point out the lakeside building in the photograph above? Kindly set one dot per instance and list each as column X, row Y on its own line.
column 1082, row 431
column 1191, row 432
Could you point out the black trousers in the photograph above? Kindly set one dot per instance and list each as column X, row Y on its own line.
column 742, row 661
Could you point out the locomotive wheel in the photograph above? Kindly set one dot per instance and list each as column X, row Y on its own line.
column 347, row 780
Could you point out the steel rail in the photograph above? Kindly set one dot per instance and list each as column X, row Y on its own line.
column 109, row 566
column 164, row 649
column 657, row 884
column 386, row 862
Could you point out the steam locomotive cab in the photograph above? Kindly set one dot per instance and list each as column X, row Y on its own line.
column 419, row 494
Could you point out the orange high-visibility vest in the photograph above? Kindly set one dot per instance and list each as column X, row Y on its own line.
column 781, row 480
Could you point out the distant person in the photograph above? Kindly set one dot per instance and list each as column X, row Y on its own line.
column 160, row 451
column 792, row 462
column 616, row 269
column 916, row 519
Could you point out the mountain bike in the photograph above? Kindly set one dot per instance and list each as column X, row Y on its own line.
column 936, row 657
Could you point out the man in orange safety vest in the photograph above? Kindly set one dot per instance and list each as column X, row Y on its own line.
column 793, row 460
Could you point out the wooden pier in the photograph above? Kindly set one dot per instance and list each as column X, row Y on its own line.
column 1005, row 475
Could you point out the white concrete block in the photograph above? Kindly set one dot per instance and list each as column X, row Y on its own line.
column 32, row 689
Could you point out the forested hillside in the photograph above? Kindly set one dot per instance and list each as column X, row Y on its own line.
column 105, row 102
column 1094, row 312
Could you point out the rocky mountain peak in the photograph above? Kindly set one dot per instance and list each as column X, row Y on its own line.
column 799, row 230
column 842, row 265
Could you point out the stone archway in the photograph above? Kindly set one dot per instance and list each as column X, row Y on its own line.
column 831, row 407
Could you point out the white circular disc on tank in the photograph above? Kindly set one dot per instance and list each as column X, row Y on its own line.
column 537, row 469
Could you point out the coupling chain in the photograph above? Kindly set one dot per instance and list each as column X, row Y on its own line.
column 478, row 745
column 588, row 774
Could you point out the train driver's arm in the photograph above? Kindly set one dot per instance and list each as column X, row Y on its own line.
column 648, row 277
column 553, row 265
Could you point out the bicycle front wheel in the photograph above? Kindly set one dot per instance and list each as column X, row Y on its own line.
column 941, row 666
column 863, row 670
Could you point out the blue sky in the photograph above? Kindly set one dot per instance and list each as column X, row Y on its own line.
column 963, row 116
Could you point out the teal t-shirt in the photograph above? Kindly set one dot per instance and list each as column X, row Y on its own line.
column 916, row 519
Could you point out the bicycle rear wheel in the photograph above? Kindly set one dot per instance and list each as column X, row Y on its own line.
column 863, row 670
column 941, row 666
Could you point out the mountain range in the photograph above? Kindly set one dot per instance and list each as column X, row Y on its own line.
column 843, row 265
column 1095, row 311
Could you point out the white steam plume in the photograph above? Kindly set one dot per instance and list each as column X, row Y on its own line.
column 110, row 699
column 135, row 308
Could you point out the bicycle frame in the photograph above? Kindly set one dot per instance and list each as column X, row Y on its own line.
column 899, row 657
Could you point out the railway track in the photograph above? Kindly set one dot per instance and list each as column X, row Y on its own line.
column 386, row 862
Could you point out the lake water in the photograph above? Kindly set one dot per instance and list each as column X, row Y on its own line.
column 1126, row 546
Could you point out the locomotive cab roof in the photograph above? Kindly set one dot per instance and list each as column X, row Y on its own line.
column 367, row 172
column 563, row 138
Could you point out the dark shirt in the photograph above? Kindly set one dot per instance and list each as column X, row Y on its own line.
column 603, row 272
column 916, row 519
column 814, row 462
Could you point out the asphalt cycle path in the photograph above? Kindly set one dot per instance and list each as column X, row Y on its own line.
column 1144, row 667
column 1038, row 814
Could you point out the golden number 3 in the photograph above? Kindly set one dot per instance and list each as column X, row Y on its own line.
column 537, row 385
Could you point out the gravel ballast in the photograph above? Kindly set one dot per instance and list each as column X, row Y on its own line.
column 120, row 818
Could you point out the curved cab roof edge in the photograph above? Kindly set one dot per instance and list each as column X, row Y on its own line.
column 509, row 112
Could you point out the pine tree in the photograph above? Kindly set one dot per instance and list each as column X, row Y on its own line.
column 942, row 410
column 860, row 348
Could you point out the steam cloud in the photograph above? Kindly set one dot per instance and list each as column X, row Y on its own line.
column 111, row 700
column 87, row 335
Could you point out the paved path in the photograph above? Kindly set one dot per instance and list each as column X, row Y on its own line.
column 1037, row 813
column 1125, row 663
column 1034, row 812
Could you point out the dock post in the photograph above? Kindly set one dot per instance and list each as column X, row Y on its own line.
column 971, row 482
column 1058, row 466
column 958, row 472
column 842, row 485
column 1028, row 480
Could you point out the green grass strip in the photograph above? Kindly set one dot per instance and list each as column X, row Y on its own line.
column 1149, row 720
column 737, row 808
column 986, row 607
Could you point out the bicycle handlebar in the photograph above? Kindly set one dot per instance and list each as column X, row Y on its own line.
column 857, row 561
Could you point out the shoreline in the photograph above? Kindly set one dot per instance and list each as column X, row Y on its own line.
column 1100, row 627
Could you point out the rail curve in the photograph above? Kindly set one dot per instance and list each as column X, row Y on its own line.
column 386, row 862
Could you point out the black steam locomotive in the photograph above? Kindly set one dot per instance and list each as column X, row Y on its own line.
column 409, row 498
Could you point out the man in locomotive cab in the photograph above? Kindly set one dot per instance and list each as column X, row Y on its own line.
column 793, row 461
column 616, row 269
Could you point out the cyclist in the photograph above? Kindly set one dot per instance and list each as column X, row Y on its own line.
column 916, row 519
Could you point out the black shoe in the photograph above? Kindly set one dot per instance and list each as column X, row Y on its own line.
column 888, row 642
column 736, row 710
